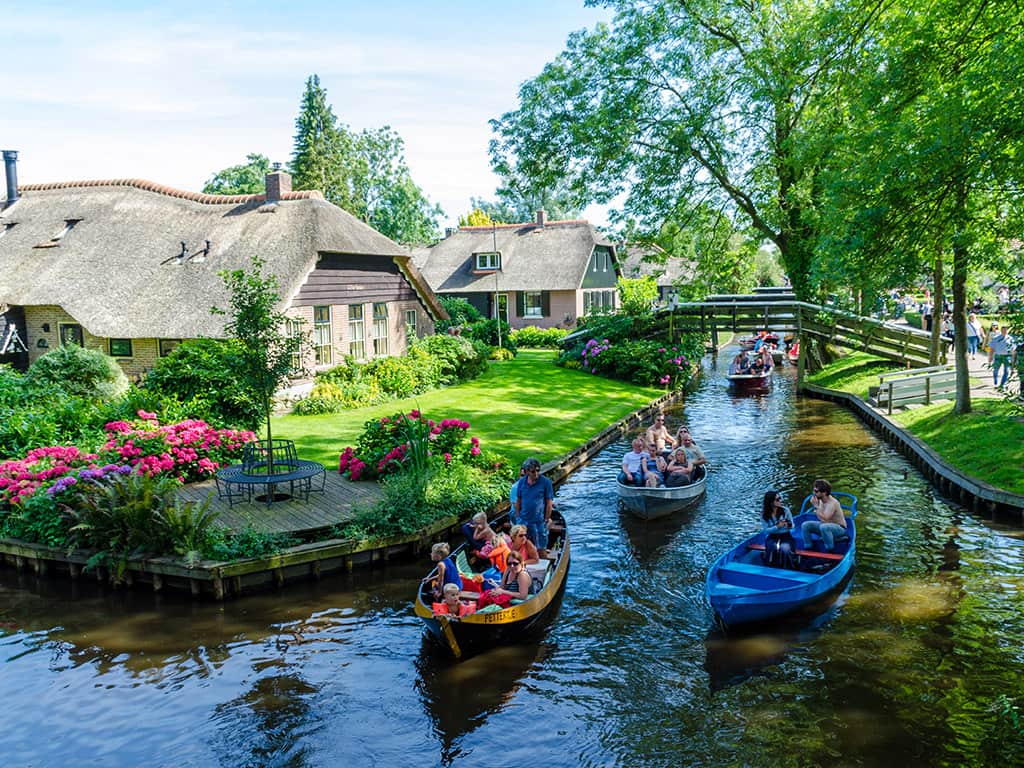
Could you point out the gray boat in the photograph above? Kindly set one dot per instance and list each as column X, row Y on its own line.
column 651, row 503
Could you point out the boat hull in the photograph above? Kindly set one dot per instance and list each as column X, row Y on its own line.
column 653, row 503
column 750, row 381
column 520, row 623
column 742, row 590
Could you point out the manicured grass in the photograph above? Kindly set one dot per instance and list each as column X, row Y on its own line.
column 522, row 407
column 985, row 444
column 853, row 373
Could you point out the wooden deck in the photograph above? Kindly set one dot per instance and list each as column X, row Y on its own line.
column 340, row 501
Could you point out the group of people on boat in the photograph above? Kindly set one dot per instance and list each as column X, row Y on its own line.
column 657, row 458
column 503, row 555
column 777, row 523
column 752, row 363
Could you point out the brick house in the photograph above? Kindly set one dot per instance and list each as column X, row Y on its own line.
column 131, row 268
column 542, row 273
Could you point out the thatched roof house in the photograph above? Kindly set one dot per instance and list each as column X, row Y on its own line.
column 649, row 259
column 544, row 273
column 125, row 264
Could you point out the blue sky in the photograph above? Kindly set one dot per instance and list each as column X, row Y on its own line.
column 172, row 92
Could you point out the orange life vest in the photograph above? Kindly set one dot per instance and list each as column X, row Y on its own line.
column 465, row 608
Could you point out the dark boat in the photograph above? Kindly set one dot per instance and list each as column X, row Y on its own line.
column 742, row 589
column 523, row 622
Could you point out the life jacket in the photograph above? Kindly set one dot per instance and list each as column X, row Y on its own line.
column 464, row 608
column 499, row 554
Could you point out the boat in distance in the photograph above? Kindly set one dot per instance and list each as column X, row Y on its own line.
column 523, row 621
column 742, row 589
column 652, row 503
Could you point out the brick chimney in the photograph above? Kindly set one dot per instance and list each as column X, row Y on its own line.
column 542, row 218
column 278, row 182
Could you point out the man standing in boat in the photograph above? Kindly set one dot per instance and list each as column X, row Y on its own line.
column 658, row 434
column 533, row 505
column 831, row 522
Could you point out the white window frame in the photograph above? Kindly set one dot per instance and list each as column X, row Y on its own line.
column 533, row 304
column 380, row 329
column 488, row 261
column 293, row 328
column 356, row 332
column 323, row 346
column 412, row 320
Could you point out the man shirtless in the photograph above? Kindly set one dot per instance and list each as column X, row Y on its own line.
column 658, row 434
column 831, row 522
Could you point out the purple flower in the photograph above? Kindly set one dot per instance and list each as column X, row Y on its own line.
column 124, row 469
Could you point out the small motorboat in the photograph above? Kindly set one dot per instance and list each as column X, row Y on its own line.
column 793, row 352
column 652, row 503
column 521, row 622
column 749, row 343
column 743, row 589
column 748, row 380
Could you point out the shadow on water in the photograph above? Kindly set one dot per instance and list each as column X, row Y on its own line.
column 736, row 655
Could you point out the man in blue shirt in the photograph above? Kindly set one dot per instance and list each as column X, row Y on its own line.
column 533, row 505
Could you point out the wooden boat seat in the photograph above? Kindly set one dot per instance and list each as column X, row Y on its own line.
column 762, row 576
column 805, row 553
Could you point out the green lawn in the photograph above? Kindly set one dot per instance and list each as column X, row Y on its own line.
column 522, row 407
column 853, row 373
column 986, row 443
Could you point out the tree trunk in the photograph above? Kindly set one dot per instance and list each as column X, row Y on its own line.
column 937, row 301
column 960, row 258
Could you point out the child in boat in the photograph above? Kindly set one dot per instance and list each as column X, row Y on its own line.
column 452, row 604
column 447, row 573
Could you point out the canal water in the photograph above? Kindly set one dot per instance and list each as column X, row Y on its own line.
column 919, row 662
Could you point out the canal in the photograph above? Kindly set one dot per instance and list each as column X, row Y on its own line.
column 919, row 662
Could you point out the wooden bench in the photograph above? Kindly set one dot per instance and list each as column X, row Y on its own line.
column 919, row 385
column 804, row 553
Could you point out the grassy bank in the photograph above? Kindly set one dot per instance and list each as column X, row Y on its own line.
column 985, row 444
column 521, row 407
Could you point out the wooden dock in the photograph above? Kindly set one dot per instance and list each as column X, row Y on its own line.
column 340, row 502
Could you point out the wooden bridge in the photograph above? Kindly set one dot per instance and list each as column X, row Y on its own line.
column 779, row 310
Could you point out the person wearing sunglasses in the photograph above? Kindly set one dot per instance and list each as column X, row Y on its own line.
column 522, row 545
column 515, row 585
column 534, row 499
column 831, row 522
column 658, row 434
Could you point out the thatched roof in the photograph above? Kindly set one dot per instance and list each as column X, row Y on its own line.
column 533, row 258
column 641, row 259
column 116, row 270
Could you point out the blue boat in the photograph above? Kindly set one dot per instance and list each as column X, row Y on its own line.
column 743, row 589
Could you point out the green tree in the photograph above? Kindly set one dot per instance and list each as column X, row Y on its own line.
column 267, row 351
column 476, row 218
column 718, row 102
column 638, row 294
column 246, row 179
column 364, row 173
column 930, row 166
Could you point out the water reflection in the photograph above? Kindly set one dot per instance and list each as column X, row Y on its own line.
column 906, row 668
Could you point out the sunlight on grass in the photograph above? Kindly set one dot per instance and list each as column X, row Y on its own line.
column 521, row 407
column 853, row 373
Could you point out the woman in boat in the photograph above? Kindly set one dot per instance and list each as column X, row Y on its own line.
column 740, row 365
column 777, row 522
column 522, row 545
column 655, row 474
column 515, row 585
column 679, row 469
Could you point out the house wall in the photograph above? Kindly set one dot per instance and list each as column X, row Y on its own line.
column 562, row 312
column 145, row 352
column 600, row 269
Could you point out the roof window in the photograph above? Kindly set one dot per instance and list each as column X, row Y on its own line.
column 488, row 261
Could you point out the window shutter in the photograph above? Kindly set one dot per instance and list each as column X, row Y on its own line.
column 520, row 304
column 545, row 303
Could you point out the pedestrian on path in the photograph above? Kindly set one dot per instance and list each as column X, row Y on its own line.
column 973, row 334
column 1002, row 354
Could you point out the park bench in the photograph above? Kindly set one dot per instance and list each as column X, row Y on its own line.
column 918, row 385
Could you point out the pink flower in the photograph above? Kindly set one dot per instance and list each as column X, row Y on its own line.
column 447, row 458
column 665, row 379
column 415, row 413
column 474, row 451
column 146, row 415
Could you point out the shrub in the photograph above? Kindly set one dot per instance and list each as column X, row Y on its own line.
column 487, row 332
column 188, row 527
column 457, row 358
column 38, row 520
column 531, row 336
column 200, row 374
column 80, row 372
column 245, row 544
column 460, row 311
column 498, row 353
column 396, row 376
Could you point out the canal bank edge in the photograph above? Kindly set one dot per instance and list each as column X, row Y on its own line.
column 977, row 496
column 302, row 562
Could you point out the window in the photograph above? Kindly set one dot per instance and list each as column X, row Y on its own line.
column 323, row 352
column 71, row 333
column 380, row 329
column 533, row 305
column 412, row 322
column 120, row 347
column 489, row 261
column 602, row 260
column 356, row 332
column 293, row 329
column 168, row 345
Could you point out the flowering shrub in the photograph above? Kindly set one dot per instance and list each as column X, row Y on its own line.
column 41, row 468
column 392, row 443
column 191, row 450
column 641, row 362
